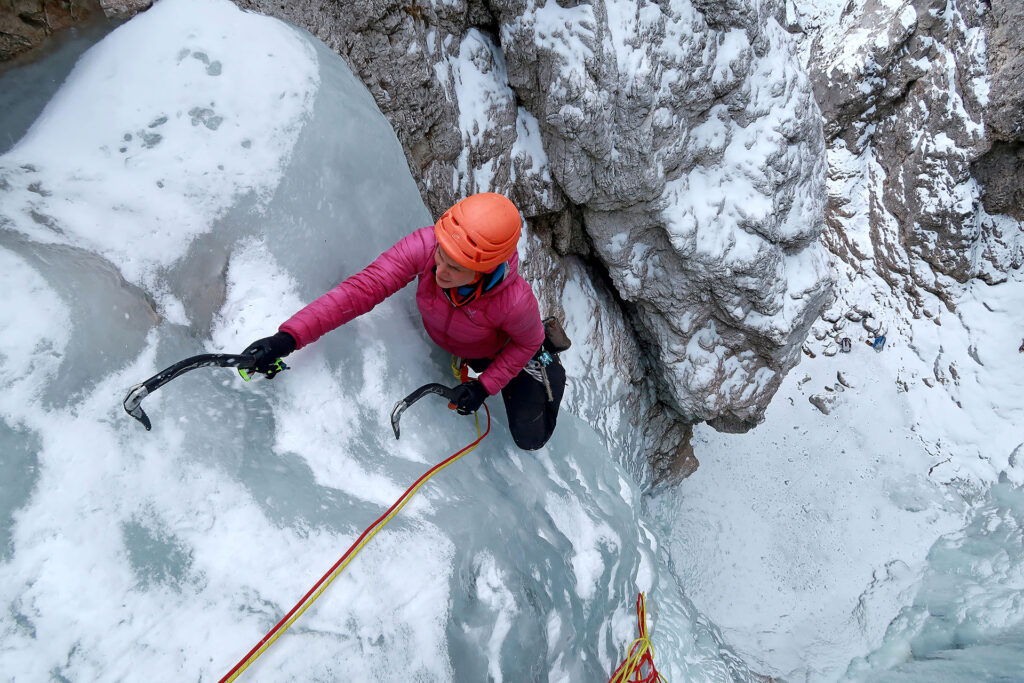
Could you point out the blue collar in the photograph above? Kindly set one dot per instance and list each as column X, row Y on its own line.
column 491, row 280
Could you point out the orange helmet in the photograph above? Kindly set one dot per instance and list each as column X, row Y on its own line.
column 480, row 232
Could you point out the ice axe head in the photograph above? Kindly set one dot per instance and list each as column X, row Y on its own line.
column 401, row 406
column 133, row 405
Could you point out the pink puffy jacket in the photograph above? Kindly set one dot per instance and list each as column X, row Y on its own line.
column 503, row 324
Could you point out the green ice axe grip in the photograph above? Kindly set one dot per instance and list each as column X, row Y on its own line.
column 248, row 373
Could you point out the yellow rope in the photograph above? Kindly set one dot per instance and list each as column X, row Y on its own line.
column 641, row 652
column 377, row 526
column 342, row 566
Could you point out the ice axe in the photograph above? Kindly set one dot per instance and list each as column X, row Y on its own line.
column 244, row 363
column 433, row 388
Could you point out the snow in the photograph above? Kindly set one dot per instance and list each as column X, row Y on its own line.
column 733, row 46
column 805, row 538
column 879, row 541
column 550, row 24
column 529, row 147
column 593, row 540
column 37, row 318
column 495, row 594
column 787, row 527
column 272, row 71
column 126, row 551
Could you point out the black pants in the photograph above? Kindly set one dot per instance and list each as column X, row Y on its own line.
column 531, row 416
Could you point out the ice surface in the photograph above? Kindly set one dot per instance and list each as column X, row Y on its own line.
column 819, row 539
column 202, row 174
column 28, row 87
column 167, row 555
column 968, row 615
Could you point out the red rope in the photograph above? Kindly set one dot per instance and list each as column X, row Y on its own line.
column 243, row 662
column 640, row 656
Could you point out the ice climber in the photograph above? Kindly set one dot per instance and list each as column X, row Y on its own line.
column 474, row 303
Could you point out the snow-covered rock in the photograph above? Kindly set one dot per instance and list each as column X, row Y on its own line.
column 924, row 125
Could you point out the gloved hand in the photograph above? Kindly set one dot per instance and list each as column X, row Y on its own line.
column 266, row 351
column 469, row 396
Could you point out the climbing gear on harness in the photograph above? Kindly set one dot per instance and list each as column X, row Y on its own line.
column 555, row 338
column 640, row 655
column 537, row 369
column 320, row 586
column 555, row 341
column 480, row 231
column 401, row 406
column 133, row 401
column 268, row 353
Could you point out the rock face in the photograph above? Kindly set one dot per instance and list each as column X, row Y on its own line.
column 1000, row 171
column 691, row 145
column 670, row 160
column 924, row 122
column 25, row 24
column 124, row 9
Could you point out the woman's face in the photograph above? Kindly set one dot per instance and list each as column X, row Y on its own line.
column 450, row 274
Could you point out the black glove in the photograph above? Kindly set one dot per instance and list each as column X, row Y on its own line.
column 266, row 351
column 469, row 397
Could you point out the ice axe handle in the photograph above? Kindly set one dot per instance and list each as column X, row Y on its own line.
column 133, row 401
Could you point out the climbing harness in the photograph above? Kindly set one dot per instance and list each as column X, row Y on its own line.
column 244, row 363
column 320, row 586
column 638, row 666
column 537, row 368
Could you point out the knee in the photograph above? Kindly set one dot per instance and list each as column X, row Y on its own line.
column 532, row 439
column 530, row 442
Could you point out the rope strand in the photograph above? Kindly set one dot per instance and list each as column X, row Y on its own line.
column 320, row 586
column 640, row 656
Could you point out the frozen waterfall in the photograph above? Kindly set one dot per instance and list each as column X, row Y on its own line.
column 201, row 174
column 204, row 172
